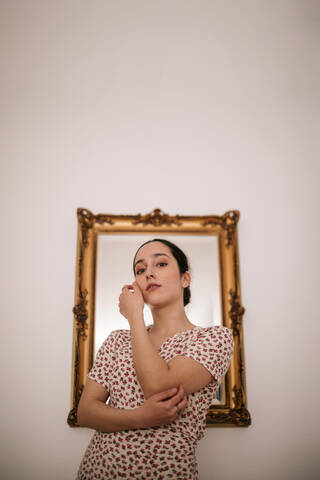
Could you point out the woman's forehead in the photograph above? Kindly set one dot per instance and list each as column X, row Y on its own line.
column 152, row 248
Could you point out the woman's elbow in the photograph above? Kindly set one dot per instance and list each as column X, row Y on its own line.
column 80, row 418
column 82, row 415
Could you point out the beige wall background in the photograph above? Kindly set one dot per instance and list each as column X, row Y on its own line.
column 195, row 107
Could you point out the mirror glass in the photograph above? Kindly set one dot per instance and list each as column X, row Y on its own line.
column 114, row 269
column 115, row 255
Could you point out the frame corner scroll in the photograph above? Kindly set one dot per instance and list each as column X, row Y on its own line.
column 233, row 412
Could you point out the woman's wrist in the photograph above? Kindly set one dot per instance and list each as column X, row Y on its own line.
column 138, row 418
column 135, row 318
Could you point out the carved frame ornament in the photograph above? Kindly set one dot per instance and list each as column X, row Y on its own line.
column 234, row 411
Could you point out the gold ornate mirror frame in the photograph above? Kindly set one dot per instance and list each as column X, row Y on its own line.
column 234, row 411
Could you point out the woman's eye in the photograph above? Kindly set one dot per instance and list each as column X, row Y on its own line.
column 162, row 263
column 139, row 271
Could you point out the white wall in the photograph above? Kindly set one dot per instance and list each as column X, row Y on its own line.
column 196, row 107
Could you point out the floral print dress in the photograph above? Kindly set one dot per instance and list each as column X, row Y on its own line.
column 161, row 452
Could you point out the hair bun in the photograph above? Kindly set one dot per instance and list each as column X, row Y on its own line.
column 186, row 296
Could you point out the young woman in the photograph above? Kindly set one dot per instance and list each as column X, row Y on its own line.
column 161, row 379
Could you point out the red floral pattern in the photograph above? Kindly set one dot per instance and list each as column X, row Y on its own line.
column 166, row 451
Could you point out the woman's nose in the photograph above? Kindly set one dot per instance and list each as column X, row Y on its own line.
column 149, row 272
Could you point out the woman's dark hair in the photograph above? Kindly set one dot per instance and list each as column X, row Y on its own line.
column 182, row 261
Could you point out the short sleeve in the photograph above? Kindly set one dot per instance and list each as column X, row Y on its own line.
column 213, row 348
column 102, row 369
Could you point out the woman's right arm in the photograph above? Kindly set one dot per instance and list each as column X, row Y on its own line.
column 159, row 409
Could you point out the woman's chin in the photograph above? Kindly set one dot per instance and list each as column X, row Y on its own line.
column 156, row 304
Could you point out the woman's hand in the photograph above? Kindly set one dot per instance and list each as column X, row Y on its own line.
column 162, row 408
column 131, row 300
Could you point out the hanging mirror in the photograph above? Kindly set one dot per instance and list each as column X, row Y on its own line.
column 106, row 245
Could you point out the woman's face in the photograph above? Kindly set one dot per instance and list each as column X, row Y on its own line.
column 155, row 264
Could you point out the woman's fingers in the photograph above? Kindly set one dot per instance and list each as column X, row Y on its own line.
column 177, row 398
column 165, row 407
column 182, row 405
column 129, row 287
column 165, row 394
column 176, row 404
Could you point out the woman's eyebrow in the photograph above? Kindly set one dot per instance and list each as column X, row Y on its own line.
column 153, row 255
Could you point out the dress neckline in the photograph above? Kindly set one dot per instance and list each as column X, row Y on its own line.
column 175, row 334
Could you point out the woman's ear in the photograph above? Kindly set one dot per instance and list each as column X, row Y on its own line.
column 186, row 279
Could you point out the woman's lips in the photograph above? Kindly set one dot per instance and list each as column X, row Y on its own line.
column 152, row 287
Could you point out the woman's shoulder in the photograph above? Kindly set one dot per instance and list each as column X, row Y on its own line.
column 216, row 332
column 117, row 336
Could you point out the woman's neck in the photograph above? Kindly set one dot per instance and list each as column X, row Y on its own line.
column 169, row 320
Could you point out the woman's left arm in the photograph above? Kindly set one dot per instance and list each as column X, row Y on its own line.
column 155, row 374
column 152, row 371
column 150, row 368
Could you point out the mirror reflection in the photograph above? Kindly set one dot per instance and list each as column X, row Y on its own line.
column 114, row 269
